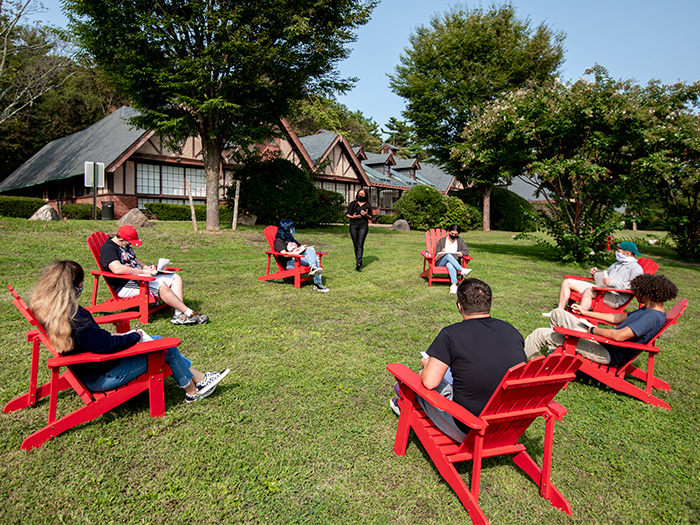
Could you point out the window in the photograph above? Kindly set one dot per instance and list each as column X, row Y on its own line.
column 148, row 179
column 173, row 180
column 198, row 182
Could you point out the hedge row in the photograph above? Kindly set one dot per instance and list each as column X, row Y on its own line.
column 181, row 212
column 79, row 211
column 22, row 207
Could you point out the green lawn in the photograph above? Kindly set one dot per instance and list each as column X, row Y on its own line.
column 301, row 431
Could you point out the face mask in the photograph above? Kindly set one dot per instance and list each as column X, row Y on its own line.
column 453, row 236
column 624, row 258
column 292, row 230
column 78, row 292
column 360, row 198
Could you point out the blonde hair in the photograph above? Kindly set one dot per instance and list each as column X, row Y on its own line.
column 54, row 302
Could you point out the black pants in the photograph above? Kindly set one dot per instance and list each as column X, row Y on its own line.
column 358, row 232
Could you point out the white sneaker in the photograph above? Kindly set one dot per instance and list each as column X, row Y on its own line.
column 466, row 271
column 547, row 314
column 315, row 270
column 453, row 288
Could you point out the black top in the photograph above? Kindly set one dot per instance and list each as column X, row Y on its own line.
column 109, row 252
column 355, row 207
column 479, row 353
column 281, row 244
column 89, row 337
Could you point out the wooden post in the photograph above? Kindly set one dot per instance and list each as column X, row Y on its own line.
column 194, row 215
column 235, row 206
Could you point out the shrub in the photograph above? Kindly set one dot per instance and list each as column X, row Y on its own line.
column 79, row 211
column 509, row 211
column 422, row 207
column 22, row 207
column 274, row 188
column 181, row 212
column 468, row 217
column 330, row 207
column 385, row 219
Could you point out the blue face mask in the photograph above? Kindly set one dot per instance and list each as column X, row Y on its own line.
column 292, row 230
column 78, row 292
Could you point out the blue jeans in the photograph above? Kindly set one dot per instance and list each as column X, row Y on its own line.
column 309, row 259
column 129, row 368
column 453, row 266
column 442, row 419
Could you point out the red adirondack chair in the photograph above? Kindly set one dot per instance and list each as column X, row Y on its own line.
column 95, row 403
column 282, row 272
column 430, row 270
column 144, row 301
column 648, row 265
column 525, row 393
column 616, row 377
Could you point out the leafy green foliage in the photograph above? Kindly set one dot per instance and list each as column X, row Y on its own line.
column 23, row 207
column 224, row 71
column 179, row 212
column 273, row 189
column 424, row 207
column 509, row 211
column 81, row 211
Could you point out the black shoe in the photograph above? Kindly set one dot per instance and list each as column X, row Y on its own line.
column 358, row 267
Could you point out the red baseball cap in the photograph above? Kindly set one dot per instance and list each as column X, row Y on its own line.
column 128, row 233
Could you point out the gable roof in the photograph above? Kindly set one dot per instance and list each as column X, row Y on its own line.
column 319, row 146
column 440, row 179
column 104, row 141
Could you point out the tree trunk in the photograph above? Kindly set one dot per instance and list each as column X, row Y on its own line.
column 486, row 214
column 212, row 167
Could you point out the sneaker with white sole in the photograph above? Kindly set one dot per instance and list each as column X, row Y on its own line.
column 184, row 319
column 315, row 270
column 453, row 288
column 211, row 379
column 199, row 394
column 394, row 403
column 320, row 288
column 466, row 271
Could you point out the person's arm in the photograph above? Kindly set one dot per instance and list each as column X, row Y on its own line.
column 610, row 318
column 463, row 249
column 89, row 336
column 622, row 334
column 433, row 373
column 439, row 253
column 121, row 269
column 350, row 212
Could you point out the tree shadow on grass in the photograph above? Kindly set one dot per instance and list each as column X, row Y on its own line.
column 515, row 249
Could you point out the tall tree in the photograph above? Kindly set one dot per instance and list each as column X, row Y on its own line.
column 577, row 144
column 33, row 59
column 462, row 60
column 225, row 70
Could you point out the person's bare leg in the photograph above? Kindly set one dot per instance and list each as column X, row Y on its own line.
column 168, row 296
column 197, row 377
column 177, row 287
column 564, row 294
column 586, row 299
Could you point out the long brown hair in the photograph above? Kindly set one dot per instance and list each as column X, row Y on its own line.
column 54, row 301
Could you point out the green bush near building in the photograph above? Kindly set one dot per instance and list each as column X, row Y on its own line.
column 21, row 207
column 181, row 212
column 424, row 207
column 79, row 211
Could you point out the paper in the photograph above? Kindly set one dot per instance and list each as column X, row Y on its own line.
column 162, row 263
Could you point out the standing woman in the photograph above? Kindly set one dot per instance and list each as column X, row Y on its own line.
column 449, row 252
column 73, row 330
column 360, row 213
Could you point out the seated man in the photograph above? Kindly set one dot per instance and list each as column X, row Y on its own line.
column 619, row 275
column 477, row 352
column 639, row 326
column 117, row 256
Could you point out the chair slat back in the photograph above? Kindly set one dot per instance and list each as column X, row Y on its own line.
column 672, row 317
column 270, row 233
column 432, row 237
column 648, row 265
column 29, row 316
column 524, row 394
column 95, row 242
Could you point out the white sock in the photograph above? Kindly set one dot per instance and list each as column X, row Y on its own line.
column 188, row 312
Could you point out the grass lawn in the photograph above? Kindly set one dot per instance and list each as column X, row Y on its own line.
column 301, row 431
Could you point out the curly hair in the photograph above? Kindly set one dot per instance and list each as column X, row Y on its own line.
column 474, row 296
column 656, row 288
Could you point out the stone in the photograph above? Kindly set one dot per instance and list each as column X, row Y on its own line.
column 135, row 218
column 248, row 219
column 401, row 226
column 45, row 213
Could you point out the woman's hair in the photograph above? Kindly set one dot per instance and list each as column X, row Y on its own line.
column 364, row 191
column 656, row 288
column 54, row 301
column 284, row 231
column 454, row 227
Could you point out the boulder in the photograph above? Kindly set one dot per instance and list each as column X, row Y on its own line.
column 135, row 218
column 247, row 220
column 401, row 226
column 45, row 213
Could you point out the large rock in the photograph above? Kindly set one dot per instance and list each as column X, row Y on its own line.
column 45, row 213
column 135, row 218
column 401, row 226
column 247, row 220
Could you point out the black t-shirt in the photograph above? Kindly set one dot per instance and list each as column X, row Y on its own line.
column 355, row 207
column 109, row 252
column 479, row 353
column 280, row 245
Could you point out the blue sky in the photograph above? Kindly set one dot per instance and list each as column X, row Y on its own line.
column 633, row 39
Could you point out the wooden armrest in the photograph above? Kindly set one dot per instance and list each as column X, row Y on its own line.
column 172, row 269
column 296, row 255
column 579, row 278
column 557, row 410
column 116, row 318
column 413, row 381
column 425, row 254
column 609, row 289
column 622, row 344
column 137, row 349
column 120, row 276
